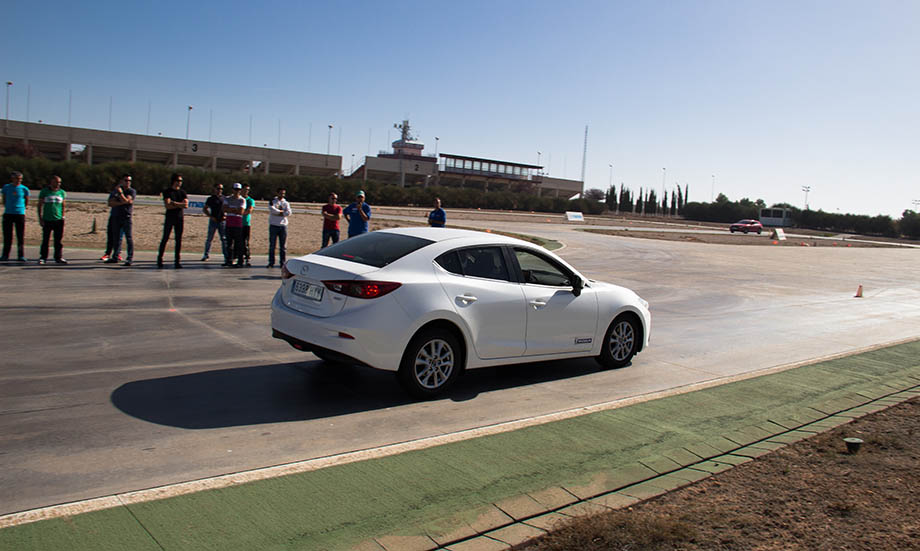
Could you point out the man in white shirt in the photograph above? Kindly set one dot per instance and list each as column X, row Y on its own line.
column 278, row 211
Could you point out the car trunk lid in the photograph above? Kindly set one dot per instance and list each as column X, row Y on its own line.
column 305, row 292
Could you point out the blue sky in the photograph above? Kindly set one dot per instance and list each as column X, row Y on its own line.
column 767, row 97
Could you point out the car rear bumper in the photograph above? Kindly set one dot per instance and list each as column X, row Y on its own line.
column 358, row 337
column 308, row 347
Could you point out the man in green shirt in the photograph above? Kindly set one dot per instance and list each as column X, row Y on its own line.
column 247, row 222
column 51, row 218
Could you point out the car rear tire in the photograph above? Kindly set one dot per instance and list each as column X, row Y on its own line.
column 430, row 364
column 621, row 342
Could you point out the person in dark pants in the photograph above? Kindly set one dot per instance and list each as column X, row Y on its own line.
column 176, row 201
column 120, row 222
column 278, row 212
column 234, row 206
column 214, row 210
column 332, row 213
column 247, row 223
column 15, row 202
column 51, row 217
column 357, row 214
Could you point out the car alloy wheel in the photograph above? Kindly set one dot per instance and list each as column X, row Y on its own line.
column 434, row 363
column 621, row 342
column 430, row 364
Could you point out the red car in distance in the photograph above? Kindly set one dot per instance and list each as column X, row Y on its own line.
column 746, row 226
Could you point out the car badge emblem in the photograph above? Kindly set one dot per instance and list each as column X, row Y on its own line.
column 304, row 269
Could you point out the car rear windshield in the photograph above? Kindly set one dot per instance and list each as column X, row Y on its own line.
column 375, row 249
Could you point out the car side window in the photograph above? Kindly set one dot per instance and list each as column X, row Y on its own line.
column 484, row 262
column 540, row 271
column 450, row 262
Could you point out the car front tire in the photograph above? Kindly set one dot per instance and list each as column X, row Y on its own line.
column 621, row 342
column 430, row 364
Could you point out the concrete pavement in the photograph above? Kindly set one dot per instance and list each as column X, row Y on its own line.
column 117, row 380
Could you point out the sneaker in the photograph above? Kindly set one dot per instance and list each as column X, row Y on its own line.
column 270, row 266
column 177, row 265
column 159, row 263
column 61, row 261
column 227, row 264
column 248, row 265
column 204, row 258
column 104, row 257
column 41, row 260
column 119, row 258
column 112, row 260
column 22, row 259
column 127, row 263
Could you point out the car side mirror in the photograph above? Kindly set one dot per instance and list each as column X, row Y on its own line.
column 577, row 285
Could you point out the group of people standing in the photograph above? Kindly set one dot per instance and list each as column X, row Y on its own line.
column 228, row 216
column 231, row 218
column 51, row 201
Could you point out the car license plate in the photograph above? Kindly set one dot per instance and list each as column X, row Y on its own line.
column 306, row 290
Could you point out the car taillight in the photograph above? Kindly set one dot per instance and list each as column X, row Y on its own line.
column 285, row 273
column 362, row 289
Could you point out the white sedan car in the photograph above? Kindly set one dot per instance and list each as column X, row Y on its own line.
column 428, row 303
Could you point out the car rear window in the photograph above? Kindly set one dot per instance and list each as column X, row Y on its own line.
column 375, row 249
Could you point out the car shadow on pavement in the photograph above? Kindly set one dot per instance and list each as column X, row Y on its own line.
column 304, row 390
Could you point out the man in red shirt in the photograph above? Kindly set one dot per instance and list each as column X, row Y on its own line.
column 332, row 213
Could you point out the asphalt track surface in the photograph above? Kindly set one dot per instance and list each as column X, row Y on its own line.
column 116, row 379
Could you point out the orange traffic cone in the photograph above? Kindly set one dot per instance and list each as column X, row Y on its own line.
column 858, row 292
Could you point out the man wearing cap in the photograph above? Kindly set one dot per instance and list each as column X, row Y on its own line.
column 234, row 205
column 15, row 203
column 357, row 214
column 332, row 213
column 176, row 201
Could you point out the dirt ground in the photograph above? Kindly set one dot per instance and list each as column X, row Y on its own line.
column 811, row 495
column 304, row 233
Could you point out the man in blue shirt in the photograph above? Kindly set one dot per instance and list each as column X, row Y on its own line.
column 15, row 201
column 357, row 214
column 437, row 218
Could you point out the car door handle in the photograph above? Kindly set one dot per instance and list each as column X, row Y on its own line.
column 537, row 304
column 467, row 299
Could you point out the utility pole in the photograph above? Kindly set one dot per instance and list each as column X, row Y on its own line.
column 7, row 121
column 328, row 144
column 806, row 189
column 584, row 160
